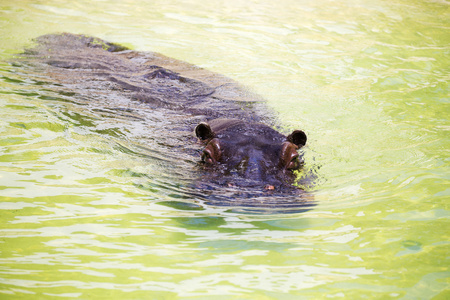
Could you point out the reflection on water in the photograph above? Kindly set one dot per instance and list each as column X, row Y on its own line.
column 94, row 203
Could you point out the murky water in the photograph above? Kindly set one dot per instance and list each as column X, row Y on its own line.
column 91, row 209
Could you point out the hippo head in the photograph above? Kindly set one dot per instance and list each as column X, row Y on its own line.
column 250, row 154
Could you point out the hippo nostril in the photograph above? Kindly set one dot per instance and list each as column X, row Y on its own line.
column 269, row 187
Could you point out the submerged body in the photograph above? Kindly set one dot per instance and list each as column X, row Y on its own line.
column 240, row 147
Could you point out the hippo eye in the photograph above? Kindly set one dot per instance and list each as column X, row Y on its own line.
column 289, row 156
column 207, row 158
column 293, row 163
column 211, row 153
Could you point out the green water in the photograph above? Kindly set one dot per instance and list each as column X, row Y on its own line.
column 84, row 217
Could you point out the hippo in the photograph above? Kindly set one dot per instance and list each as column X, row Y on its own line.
column 253, row 151
column 237, row 146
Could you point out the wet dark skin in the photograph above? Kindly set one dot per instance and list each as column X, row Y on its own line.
column 239, row 147
column 250, row 151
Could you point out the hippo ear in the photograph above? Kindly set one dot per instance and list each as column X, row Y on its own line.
column 203, row 131
column 298, row 138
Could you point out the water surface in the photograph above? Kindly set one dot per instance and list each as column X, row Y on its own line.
column 90, row 208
